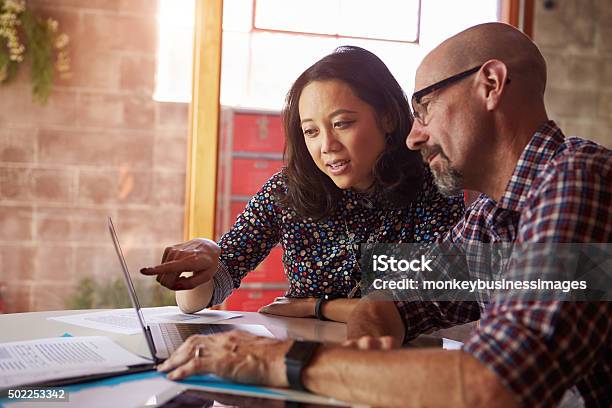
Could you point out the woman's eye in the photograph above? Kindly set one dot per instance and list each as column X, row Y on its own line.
column 309, row 132
column 341, row 124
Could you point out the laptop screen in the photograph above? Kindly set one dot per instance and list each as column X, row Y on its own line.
column 130, row 286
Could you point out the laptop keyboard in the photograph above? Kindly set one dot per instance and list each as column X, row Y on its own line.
column 174, row 334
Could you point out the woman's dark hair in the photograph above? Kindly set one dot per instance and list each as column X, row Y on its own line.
column 398, row 172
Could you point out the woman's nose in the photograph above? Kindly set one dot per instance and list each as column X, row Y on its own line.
column 330, row 142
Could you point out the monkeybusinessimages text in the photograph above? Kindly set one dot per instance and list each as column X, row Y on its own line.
column 385, row 263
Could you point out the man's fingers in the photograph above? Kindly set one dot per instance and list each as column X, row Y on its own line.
column 179, row 357
column 350, row 343
column 365, row 342
column 183, row 353
column 191, row 367
column 386, row 342
column 370, row 343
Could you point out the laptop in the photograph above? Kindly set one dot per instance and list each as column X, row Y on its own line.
column 164, row 338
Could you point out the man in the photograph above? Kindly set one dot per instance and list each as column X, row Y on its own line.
column 481, row 124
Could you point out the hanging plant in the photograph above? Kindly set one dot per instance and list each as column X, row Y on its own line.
column 24, row 36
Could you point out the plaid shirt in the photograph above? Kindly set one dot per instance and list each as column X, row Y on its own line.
column 560, row 192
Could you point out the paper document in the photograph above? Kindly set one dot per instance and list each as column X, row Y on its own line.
column 448, row 344
column 35, row 361
column 124, row 321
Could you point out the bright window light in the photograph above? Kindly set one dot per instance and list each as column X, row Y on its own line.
column 174, row 51
column 260, row 64
column 381, row 19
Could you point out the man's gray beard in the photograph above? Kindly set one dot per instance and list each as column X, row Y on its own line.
column 448, row 180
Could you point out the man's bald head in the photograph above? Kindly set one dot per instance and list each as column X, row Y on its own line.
column 481, row 43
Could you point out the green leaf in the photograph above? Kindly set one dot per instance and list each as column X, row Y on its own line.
column 8, row 68
column 38, row 39
column 40, row 50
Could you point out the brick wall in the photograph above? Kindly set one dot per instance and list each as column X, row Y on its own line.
column 101, row 146
column 575, row 38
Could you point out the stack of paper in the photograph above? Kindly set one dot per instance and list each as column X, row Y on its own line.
column 125, row 321
column 36, row 361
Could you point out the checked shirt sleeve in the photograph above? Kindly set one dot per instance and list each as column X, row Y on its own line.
column 539, row 349
column 424, row 316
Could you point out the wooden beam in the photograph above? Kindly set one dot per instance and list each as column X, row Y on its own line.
column 528, row 17
column 201, row 189
column 510, row 12
column 519, row 13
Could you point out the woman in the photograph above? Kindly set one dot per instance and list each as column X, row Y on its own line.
column 349, row 179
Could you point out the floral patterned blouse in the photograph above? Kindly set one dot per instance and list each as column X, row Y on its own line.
column 320, row 256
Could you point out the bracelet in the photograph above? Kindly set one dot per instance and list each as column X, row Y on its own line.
column 319, row 308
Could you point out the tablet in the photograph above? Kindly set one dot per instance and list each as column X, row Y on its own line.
column 192, row 398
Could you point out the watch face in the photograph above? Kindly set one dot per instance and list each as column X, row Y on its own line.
column 332, row 296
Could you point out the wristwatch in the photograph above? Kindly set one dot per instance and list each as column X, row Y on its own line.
column 299, row 355
column 319, row 304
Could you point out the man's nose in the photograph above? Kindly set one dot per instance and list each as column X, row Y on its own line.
column 417, row 137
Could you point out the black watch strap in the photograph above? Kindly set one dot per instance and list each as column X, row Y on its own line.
column 318, row 308
column 299, row 355
column 319, row 305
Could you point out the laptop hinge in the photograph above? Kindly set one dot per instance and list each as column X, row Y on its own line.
column 151, row 343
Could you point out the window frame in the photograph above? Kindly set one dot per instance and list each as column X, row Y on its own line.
column 255, row 29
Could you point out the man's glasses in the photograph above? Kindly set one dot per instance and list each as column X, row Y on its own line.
column 419, row 110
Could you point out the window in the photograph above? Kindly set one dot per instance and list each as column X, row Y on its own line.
column 174, row 51
column 391, row 20
column 268, row 43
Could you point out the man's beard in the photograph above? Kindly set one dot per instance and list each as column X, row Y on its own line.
column 448, row 180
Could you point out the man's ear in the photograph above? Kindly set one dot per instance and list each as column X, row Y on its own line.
column 494, row 82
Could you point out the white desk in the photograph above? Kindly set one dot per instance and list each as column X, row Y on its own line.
column 35, row 325
column 29, row 326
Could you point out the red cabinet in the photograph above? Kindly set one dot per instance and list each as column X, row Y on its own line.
column 249, row 174
column 260, row 133
column 270, row 270
column 250, row 300
column 251, row 151
column 236, row 208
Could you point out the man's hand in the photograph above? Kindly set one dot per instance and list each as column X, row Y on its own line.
column 373, row 343
column 200, row 256
column 234, row 355
column 376, row 318
column 292, row 307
